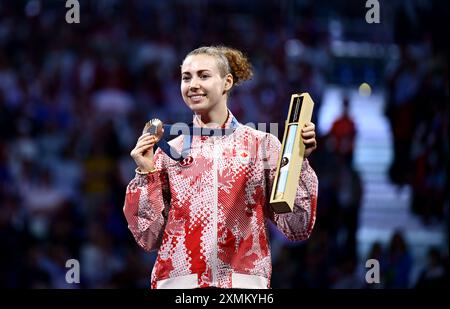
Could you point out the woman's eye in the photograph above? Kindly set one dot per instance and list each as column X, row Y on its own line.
column 204, row 76
column 185, row 78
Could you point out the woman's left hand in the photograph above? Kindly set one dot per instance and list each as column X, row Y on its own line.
column 309, row 138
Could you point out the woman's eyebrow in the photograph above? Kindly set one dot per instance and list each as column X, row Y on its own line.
column 198, row 71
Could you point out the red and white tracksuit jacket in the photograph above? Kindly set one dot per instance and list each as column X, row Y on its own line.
column 209, row 219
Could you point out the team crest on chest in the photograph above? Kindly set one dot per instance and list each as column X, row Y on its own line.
column 243, row 156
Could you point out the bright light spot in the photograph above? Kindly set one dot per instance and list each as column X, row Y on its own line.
column 365, row 90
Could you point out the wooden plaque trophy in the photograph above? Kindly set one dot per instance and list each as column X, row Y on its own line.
column 291, row 157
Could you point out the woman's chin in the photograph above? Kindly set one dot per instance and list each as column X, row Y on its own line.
column 198, row 108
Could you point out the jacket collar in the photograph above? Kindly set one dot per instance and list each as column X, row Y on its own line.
column 198, row 123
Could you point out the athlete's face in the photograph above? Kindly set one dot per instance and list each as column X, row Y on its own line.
column 202, row 86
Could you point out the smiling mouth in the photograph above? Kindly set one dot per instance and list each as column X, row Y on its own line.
column 196, row 97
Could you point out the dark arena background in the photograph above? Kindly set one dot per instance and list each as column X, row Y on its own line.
column 76, row 88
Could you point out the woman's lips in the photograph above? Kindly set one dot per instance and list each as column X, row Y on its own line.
column 196, row 98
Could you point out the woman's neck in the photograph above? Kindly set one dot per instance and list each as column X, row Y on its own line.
column 213, row 118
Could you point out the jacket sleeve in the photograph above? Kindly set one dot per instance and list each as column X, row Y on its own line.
column 298, row 224
column 146, row 205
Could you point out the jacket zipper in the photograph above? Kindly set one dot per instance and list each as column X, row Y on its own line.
column 214, row 265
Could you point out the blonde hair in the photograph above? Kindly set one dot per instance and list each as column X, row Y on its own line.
column 229, row 60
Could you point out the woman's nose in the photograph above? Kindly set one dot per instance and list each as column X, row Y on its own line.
column 194, row 84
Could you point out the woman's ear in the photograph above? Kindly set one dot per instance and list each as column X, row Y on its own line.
column 228, row 82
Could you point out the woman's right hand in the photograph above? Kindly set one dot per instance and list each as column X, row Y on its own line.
column 142, row 153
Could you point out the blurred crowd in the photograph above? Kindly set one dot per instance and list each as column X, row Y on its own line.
column 74, row 99
column 417, row 109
